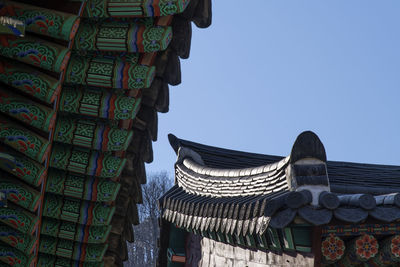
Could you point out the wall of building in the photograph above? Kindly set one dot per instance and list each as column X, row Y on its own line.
column 216, row 254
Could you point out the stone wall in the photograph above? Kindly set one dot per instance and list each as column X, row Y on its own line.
column 216, row 254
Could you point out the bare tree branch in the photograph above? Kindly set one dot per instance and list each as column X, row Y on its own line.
column 143, row 252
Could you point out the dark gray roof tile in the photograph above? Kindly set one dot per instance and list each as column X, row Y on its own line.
column 283, row 218
column 346, row 174
column 352, row 215
column 225, row 198
column 315, row 216
column 386, row 213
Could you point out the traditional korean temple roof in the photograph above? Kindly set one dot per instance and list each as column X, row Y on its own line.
column 240, row 194
column 79, row 97
column 361, row 177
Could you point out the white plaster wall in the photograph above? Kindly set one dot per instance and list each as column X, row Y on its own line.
column 216, row 254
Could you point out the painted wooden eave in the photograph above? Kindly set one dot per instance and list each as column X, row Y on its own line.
column 33, row 70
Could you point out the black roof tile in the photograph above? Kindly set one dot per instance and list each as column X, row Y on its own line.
column 340, row 173
column 238, row 193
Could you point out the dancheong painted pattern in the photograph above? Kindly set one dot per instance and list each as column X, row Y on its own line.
column 79, row 96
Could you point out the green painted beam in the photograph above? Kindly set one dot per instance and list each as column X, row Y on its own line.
column 275, row 243
column 288, row 242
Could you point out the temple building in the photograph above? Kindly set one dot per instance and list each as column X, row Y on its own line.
column 81, row 83
column 231, row 208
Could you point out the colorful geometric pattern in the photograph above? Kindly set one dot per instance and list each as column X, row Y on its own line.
column 366, row 247
column 108, row 72
column 395, row 246
column 332, row 248
column 35, row 51
column 88, row 162
column 132, row 59
column 77, row 211
column 19, row 193
column 14, row 257
column 68, row 122
column 42, row 21
column 72, row 250
column 24, row 168
column 99, row 103
column 91, row 134
column 82, row 187
column 133, row 8
column 19, row 219
column 76, row 232
column 16, row 239
column 27, row 111
column 29, row 81
column 389, row 252
column 360, row 250
column 46, row 260
column 122, row 37
column 27, row 142
column 359, row 229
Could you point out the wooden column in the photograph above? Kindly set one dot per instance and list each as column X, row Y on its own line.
column 316, row 245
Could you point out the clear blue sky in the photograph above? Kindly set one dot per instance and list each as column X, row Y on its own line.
column 264, row 72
